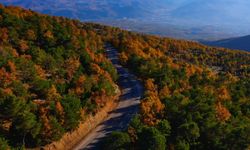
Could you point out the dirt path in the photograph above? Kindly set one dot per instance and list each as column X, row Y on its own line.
column 118, row 119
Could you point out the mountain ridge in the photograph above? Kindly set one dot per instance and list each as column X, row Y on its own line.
column 190, row 13
column 240, row 43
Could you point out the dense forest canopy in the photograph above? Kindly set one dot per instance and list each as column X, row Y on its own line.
column 196, row 97
column 53, row 71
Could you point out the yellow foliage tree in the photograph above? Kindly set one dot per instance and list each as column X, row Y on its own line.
column 151, row 106
column 72, row 64
column 222, row 112
column 223, row 94
column 23, row 45
column 52, row 94
column 164, row 92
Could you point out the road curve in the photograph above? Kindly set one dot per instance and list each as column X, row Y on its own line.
column 118, row 119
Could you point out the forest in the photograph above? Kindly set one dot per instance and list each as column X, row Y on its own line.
column 53, row 72
column 196, row 97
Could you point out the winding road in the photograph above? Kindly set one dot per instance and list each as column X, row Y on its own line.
column 119, row 118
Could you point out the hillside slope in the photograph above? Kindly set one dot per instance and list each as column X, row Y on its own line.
column 240, row 43
column 196, row 97
column 52, row 74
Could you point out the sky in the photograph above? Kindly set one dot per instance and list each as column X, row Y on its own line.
column 234, row 12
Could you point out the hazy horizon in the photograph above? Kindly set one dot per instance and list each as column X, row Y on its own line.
column 227, row 16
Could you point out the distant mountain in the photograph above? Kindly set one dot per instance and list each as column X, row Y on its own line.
column 220, row 11
column 92, row 9
column 194, row 18
column 240, row 43
column 210, row 33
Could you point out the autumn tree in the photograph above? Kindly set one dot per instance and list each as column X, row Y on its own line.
column 151, row 106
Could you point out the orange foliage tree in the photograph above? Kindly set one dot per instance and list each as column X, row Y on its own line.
column 151, row 106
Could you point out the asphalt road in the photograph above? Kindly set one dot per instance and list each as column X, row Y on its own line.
column 118, row 119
